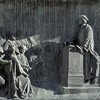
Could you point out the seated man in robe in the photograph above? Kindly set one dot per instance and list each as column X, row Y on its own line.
column 23, row 59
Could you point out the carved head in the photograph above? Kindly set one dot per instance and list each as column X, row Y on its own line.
column 11, row 49
column 21, row 49
column 83, row 20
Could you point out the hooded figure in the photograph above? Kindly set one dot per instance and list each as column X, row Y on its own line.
column 86, row 42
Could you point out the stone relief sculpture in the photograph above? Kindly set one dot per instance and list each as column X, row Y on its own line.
column 16, row 78
column 16, row 65
column 85, row 42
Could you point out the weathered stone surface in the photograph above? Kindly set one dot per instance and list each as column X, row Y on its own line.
column 76, row 90
column 48, row 26
column 71, row 67
column 50, row 95
column 43, row 27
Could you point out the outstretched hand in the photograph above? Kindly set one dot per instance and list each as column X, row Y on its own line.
column 85, row 49
column 80, row 48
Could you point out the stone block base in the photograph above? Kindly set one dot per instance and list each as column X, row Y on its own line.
column 76, row 90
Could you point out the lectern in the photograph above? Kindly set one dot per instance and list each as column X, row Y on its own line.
column 71, row 67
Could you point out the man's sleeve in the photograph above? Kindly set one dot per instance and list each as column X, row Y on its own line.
column 89, row 36
column 3, row 62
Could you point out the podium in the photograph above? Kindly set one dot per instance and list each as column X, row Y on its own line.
column 71, row 67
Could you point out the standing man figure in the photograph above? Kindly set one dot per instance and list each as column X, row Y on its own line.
column 86, row 43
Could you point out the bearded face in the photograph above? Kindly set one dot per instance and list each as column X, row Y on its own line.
column 82, row 21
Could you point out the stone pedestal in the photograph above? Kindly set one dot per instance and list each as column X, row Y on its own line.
column 71, row 67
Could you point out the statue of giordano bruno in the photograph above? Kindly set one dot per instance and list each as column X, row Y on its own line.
column 85, row 42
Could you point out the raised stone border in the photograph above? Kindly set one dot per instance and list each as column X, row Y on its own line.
column 76, row 90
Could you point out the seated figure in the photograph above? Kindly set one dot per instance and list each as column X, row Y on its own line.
column 20, row 83
column 2, row 67
column 23, row 59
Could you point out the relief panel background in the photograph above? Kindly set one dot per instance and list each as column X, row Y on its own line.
column 43, row 27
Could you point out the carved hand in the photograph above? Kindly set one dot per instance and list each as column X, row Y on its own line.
column 25, row 74
column 85, row 49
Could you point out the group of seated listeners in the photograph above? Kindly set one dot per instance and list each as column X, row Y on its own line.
column 14, row 67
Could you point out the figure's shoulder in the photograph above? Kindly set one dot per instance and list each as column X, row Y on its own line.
column 7, row 42
column 88, row 26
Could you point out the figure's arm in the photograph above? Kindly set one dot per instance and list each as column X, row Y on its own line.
column 86, row 45
column 3, row 62
column 89, row 36
column 27, row 63
column 6, row 45
column 20, row 69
